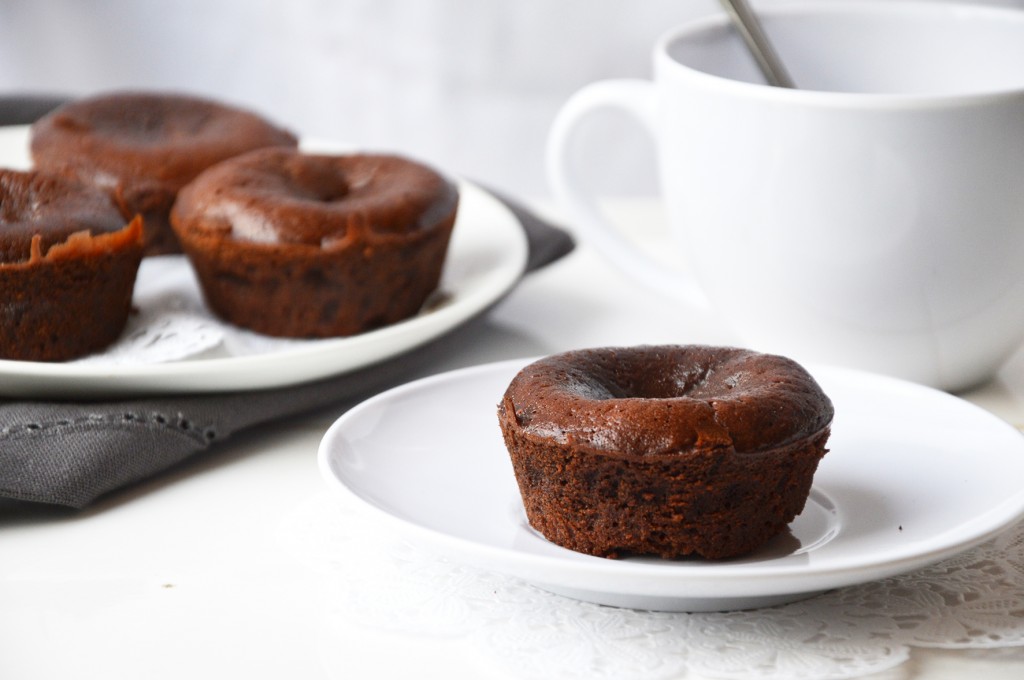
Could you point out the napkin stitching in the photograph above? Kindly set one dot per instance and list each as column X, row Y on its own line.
column 60, row 472
column 178, row 423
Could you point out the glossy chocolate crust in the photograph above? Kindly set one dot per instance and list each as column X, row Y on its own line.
column 668, row 450
column 67, row 267
column 299, row 245
column 143, row 147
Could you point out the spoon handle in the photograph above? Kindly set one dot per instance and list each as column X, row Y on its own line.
column 754, row 36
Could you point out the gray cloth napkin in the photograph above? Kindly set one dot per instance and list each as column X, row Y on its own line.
column 69, row 454
column 25, row 109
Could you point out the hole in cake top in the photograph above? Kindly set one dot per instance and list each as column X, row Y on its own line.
column 133, row 139
column 155, row 119
column 285, row 196
column 658, row 375
column 651, row 400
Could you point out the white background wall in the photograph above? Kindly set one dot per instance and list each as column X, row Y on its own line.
column 469, row 85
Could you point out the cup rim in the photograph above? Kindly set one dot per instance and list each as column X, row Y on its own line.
column 766, row 92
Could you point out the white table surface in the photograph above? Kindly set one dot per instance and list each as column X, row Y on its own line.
column 185, row 575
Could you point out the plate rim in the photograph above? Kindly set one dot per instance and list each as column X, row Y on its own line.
column 240, row 372
column 723, row 582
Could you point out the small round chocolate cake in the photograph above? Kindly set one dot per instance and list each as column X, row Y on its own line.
column 144, row 146
column 67, row 267
column 300, row 245
column 664, row 450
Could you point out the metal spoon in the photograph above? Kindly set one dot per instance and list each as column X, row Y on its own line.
column 754, row 36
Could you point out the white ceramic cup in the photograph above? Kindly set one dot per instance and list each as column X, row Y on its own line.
column 872, row 218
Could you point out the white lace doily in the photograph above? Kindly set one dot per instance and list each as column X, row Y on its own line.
column 973, row 601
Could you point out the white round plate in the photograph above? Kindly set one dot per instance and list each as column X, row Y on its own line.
column 486, row 258
column 913, row 475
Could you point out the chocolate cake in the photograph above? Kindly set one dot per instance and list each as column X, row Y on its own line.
column 299, row 245
column 67, row 267
column 664, row 450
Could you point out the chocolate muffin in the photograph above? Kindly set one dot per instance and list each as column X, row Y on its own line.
column 144, row 146
column 67, row 267
column 297, row 245
column 664, row 450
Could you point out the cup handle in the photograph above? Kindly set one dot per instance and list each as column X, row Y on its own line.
column 637, row 98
